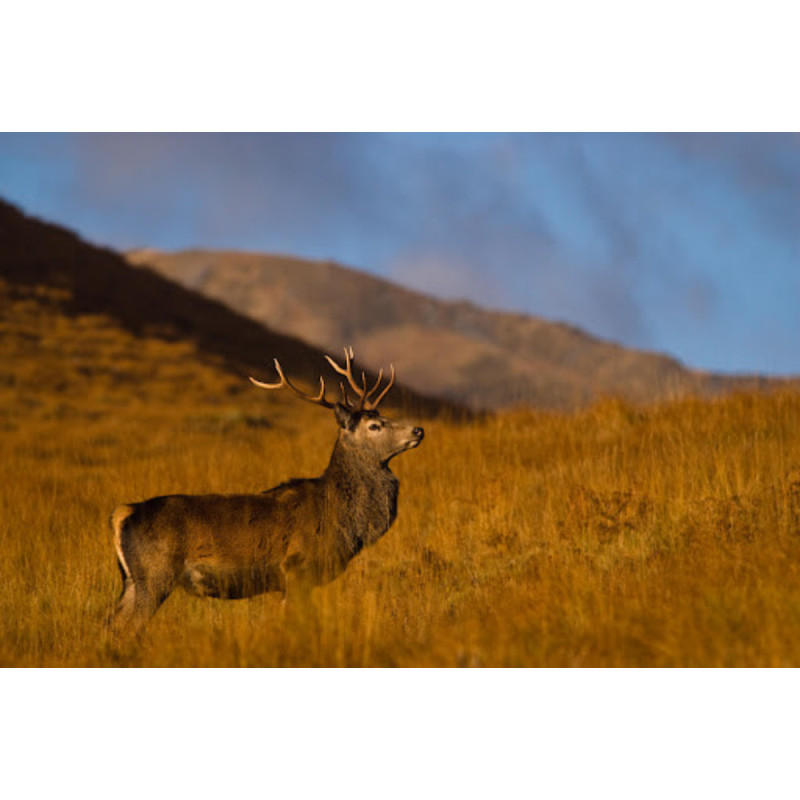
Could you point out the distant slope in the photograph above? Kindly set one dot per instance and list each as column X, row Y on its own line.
column 88, row 280
column 486, row 359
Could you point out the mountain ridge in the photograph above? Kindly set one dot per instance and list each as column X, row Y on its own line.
column 488, row 359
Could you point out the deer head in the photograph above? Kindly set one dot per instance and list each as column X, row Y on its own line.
column 364, row 431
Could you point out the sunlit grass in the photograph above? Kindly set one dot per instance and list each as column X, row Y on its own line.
column 617, row 536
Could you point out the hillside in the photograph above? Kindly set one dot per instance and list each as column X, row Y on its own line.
column 76, row 279
column 616, row 536
column 487, row 359
column 658, row 537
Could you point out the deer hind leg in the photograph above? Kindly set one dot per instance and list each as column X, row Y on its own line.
column 125, row 605
column 140, row 599
column 143, row 589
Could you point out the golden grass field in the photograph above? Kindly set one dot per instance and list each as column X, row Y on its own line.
column 615, row 536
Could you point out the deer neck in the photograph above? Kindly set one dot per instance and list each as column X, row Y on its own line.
column 355, row 471
column 364, row 493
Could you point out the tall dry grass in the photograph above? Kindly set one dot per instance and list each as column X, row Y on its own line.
column 666, row 536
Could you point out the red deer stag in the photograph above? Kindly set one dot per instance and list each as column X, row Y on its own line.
column 289, row 539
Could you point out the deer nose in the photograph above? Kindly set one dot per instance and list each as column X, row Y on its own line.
column 418, row 432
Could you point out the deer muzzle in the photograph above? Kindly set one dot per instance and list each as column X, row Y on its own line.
column 418, row 434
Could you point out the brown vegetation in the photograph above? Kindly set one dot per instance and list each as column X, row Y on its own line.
column 616, row 536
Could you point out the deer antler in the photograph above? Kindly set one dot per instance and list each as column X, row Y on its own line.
column 319, row 399
column 366, row 403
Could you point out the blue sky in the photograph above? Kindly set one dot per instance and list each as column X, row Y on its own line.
column 685, row 244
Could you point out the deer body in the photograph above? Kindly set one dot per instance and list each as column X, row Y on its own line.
column 289, row 539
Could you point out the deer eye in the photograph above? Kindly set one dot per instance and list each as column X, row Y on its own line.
column 374, row 426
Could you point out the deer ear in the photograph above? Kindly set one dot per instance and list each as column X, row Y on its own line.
column 344, row 417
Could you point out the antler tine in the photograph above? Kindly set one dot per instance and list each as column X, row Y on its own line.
column 374, row 388
column 262, row 385
column 284, row 381
column 347, row 371
column 373, row 404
